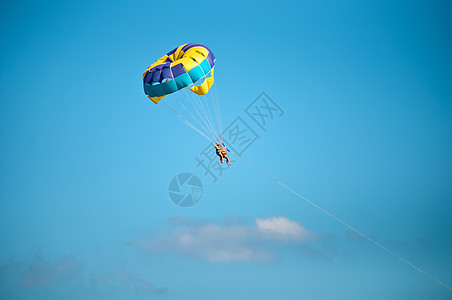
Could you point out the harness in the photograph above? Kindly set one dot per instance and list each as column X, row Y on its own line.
column 221, row 151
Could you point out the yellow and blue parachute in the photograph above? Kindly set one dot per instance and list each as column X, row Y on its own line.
column 178, row 69
column 187, row 73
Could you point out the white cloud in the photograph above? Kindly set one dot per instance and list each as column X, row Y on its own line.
column 225, row 243
column 282, row 228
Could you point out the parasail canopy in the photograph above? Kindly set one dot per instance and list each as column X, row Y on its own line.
column 178, row 69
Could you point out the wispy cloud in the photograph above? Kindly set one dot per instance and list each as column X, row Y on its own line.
column 116, row 280
column 69, row 280
column 232, row 242
column 40, row 272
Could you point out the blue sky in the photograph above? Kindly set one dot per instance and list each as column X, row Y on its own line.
column 86, row 158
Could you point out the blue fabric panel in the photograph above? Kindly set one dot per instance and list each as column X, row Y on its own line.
column 205, row 66
column 166, row 72
column 156, row 76
column 196, row 73
column 169, row 87
column 178, row 70
column 183, row 80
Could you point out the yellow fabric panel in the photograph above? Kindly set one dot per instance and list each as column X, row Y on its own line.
column 199, row 57
column 202, row 50
column 188, row 63
column 204, row 87
column 174, row 63
column 178, row 53
column 156, row 99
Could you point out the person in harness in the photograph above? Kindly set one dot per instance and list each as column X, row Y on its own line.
column 221, row 151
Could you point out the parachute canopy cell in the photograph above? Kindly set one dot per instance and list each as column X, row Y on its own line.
column 179, row 69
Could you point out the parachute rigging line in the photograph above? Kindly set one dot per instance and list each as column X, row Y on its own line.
column 346, row 224
column 183, row 120
column 206, row 109
column 203, row 114
column 200, row 111
column 207, row 112
column 218, row 111
column 193, row 117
